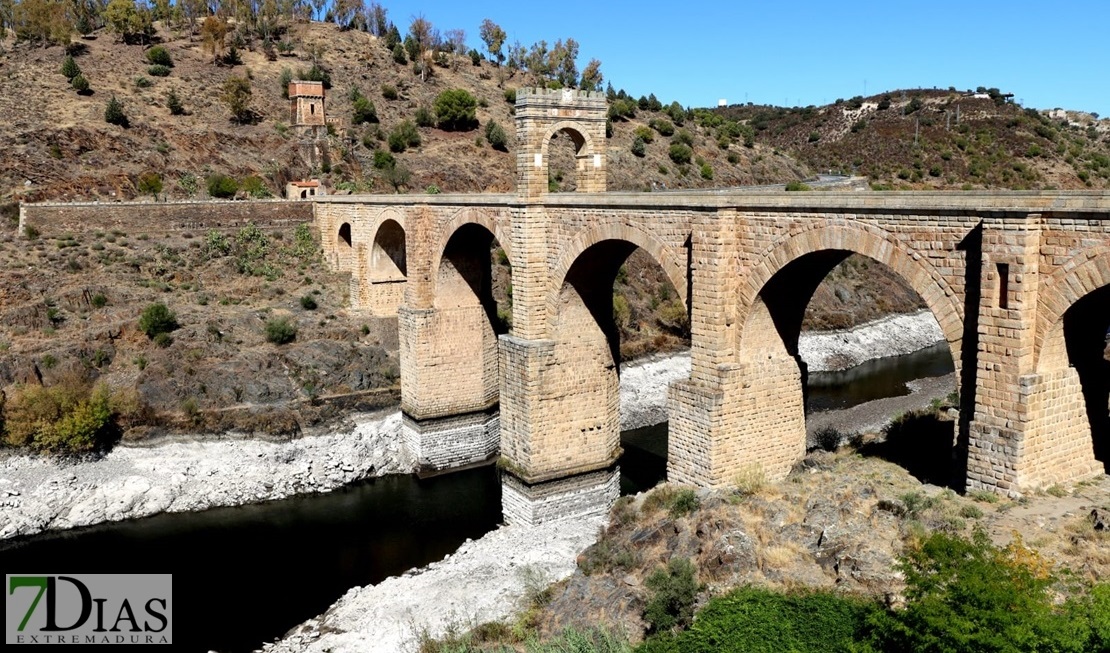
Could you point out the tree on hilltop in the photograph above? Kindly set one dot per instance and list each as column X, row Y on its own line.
column 132, row 23
column 494, row 38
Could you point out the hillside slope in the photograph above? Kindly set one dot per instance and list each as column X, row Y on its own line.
column 61, row 148
column 929, row 139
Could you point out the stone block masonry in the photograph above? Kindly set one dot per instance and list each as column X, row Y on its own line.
column 134, row 218
column 998, row 270
column 452, row 442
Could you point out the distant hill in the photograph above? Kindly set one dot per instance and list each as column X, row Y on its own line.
column 929, row 139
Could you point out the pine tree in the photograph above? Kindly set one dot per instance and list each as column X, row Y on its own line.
column 114, row 114
column 173, row 103
column 79, row 84
column 70, row 68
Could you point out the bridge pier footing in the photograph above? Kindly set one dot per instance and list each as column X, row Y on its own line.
column 574, row 497
column 449, row 442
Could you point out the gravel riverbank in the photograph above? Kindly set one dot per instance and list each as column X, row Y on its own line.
column 39, row 493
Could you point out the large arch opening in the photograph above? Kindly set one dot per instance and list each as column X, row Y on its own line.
column 467, row 321
column 807, row 331
column 1086, row 328
column 616, row 304
column 344, row 236
column 387, row 257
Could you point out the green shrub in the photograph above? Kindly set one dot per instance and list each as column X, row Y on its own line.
column 706, row 171
column 663, row 126
column 114, row 115
column 143, row 82
column 456, row 110
column 672, row 590
column 638, row 147
column 404, row 136
column 399, row 54
column 383, row 160
column 173, row 103
column 163, row 340
column 797, row 186
column 646, row 134
column 222, row 186
column 150, row 183
column 255, row 186
column 683, row 137
column 158, row 71
column 389, row 91
column 99, row 300
column 284, row 81
column 80, row 84
column 159, row 56
column 969, row 595
column 757, row 620
column 363, row 111
column 65, row 418
column 496, row 136
column 308, row 303
column 424, row 117
column 157, row 318
column 684, row 502
column 510, row 95
column 680, row 154
column 280, row 331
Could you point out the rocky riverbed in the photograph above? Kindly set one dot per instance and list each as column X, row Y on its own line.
column 38, row 493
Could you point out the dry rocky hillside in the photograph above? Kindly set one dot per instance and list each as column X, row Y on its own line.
column 59, row 141
column 930, row 139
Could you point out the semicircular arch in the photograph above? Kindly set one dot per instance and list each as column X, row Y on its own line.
column 458, row 221
column 673, row 265
column 1083, row 274
column 582, row 141
column 868, row 241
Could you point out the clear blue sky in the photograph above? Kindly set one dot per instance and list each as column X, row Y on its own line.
column 1048, row 54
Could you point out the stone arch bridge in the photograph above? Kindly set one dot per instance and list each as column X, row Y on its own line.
column 1018, row 281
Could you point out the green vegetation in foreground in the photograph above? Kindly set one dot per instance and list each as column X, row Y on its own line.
column 962, row 595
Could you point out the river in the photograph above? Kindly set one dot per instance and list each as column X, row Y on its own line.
column 247, row 574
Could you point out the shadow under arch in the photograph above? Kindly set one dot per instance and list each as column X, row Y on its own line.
column 1073, row 326
column 388, row 259
column 774, row 301
column 675, row 265
column 474, row 217
column 464, row 275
